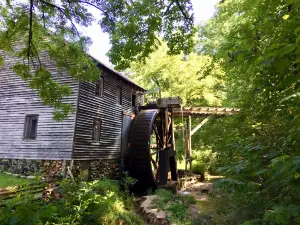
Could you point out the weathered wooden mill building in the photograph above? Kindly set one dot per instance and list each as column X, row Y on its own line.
column 91, row 137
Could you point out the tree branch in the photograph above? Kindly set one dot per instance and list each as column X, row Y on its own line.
column 168, row 8
column 30, row 30
column 97, row 7
column 44, row 24
column 37, row 54
column 64, row 13
column 183, row 13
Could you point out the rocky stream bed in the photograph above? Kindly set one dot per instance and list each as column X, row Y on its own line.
column 192, row 186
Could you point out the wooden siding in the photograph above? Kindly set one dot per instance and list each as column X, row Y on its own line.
column 54, row 140
column 105, row 108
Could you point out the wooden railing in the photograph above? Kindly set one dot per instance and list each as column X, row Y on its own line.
column 36, row 189
column 198, row 111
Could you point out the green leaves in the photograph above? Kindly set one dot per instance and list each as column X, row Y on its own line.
column 260, row 146
column 22, row 70
column 196, row 79
column 2, row 62
column 28, row 31
column 287, row 49
column 134, row 28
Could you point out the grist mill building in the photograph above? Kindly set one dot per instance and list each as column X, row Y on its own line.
column 90, row 138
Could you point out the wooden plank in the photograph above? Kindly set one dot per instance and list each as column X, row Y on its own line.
column 199, row 125
column 200, row 111
column 106, row 109
column 53, row 139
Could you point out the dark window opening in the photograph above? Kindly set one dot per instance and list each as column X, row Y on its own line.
column 30, row 127
column 119, row 95
column 100, row 87
column 96, row 130
column 133, row 100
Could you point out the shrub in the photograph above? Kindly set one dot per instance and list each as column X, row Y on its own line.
column 176, row 205
column 199, row 168
column 97, row 202
column 205, row 161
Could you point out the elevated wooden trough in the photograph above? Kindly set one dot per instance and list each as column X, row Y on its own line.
column 206, row 113
column 201, row 111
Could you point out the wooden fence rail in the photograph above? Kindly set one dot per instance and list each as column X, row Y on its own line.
column 37, row 189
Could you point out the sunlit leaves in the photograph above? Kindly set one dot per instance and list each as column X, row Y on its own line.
column 22, row 70
column 257, row 45
column 2, row 62
column 196, row 79
column 55, row 27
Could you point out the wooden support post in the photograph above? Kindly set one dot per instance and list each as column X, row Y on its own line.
column 172, row 127
column 186, row 149
column 190, row 141
column 199, row 126
column 166, row 127
column 188, row 145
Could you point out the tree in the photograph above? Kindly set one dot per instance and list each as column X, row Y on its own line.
column 195, row 78
column 257, row 44
column 51, row 25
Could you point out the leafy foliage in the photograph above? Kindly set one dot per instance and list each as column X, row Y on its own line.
column 256, row 43
column 204, row 160
column 175, row 205
column 52, row 26
column 196, row 79
column 97, row 202
column 127, row 182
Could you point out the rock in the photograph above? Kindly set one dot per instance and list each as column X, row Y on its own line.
column 30, row 177
column 153, row 216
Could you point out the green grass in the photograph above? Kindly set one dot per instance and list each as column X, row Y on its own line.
column 9, row 180
column 177, row 205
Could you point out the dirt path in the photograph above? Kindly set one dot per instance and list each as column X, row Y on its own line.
column 200, row 191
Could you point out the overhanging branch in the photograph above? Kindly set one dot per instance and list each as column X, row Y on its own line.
column 97, row 7
column 183, row 12
column 168, row 8
column 64, row 13
column 30, row 30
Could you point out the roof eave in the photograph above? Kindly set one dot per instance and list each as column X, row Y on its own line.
column 120, row 75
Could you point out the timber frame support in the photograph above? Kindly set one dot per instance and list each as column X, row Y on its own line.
column 188, row 140
column 196, row 112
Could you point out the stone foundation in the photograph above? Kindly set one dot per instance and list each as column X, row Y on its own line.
column 98, row 169
column 92, row 170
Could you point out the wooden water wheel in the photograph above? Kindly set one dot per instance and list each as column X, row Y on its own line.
column 151, row 154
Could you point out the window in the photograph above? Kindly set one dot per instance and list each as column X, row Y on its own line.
column 96, row 130
column 119, row 95
column 133, row 100
column 30, row 126
column 100, row 87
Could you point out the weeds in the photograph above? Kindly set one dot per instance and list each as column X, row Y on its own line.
column 176, row 206
column 82, row 203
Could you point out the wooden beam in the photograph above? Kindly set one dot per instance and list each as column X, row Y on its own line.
column 190, row 142
column 200, row 111
column 166, row 127
column 172, row 128
column 190, row 135
column 199, row 125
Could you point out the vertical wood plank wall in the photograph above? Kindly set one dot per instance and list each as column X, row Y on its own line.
column 54, row 140
column 91, row 106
